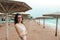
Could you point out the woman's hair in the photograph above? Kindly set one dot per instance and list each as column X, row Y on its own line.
column 16, row 18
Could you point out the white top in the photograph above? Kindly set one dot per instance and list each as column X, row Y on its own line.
column 21, row 28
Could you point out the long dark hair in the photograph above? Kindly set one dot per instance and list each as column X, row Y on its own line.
column 16, row 18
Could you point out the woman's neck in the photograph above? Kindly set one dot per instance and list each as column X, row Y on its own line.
column 19, row 21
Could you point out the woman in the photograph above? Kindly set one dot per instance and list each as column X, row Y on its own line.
column 20, row 27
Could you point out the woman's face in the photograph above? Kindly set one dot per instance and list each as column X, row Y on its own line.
column 19, row 18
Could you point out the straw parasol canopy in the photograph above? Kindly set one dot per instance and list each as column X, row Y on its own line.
column 8, row 7
column 13, row 6
column 55, row 15
column 25, row 15
column 44, row 17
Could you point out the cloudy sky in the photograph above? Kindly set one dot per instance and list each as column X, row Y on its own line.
column 40, row 7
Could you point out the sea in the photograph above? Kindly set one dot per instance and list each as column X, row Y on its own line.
column 50, row 22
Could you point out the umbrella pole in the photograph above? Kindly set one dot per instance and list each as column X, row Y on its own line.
column 6, row 26
column 0, row 19
column 44, row 23
column 56, row 26
column 39, row 21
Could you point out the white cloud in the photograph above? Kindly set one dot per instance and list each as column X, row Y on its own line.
column 42, row 2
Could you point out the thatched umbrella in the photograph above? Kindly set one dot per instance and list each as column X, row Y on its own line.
column 8, row 7
column 55, row 15
column 44, row 17
column 25, row 15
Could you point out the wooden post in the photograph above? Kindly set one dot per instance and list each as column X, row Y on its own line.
column 0, row 19
column 56, row 26
column 44, row 23
column 6, row 26
column 39, row 21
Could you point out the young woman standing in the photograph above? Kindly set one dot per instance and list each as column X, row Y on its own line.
column 20, row 27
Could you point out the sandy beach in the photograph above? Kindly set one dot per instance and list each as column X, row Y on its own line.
column 35, row 32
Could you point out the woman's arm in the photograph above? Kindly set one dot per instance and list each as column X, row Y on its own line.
column 17, row 31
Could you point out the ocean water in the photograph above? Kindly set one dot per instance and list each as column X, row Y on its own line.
column 50, row 22
column 5, row 21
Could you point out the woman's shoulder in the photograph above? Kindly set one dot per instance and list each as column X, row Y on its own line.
column 16, row 24
column 19, row 24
